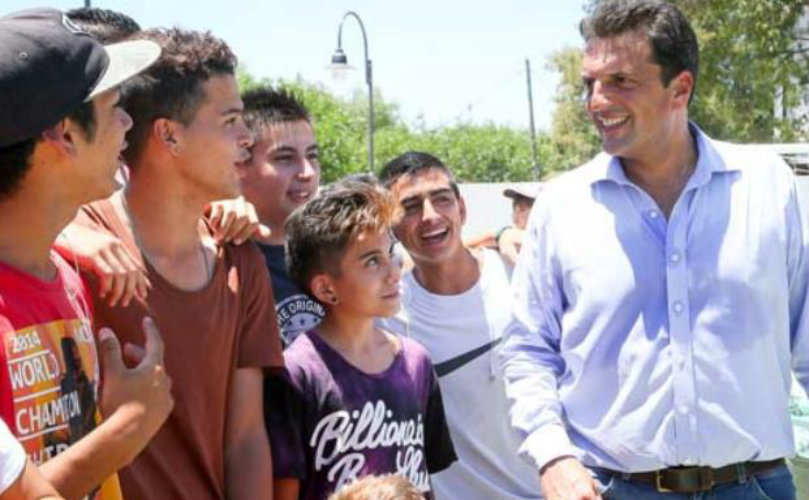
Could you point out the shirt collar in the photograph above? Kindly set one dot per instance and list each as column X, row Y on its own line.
column 709, row 162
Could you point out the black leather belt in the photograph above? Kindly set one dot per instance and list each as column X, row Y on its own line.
column 697, row 479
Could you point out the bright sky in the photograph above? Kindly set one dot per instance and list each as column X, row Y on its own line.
column 440, row 60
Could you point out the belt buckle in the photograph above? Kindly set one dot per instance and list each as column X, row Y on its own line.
column 705, row 475
column 659, row 483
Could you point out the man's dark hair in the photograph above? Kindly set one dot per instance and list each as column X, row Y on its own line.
column 106, row 26
column 172, row 87
column 413, row 162
column 319, row 232
column 674, row 43
column 265, row 105
column 15, row 160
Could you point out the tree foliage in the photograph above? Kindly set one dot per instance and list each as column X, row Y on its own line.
column 574, row 138
column 751, row 58
column 476, row 153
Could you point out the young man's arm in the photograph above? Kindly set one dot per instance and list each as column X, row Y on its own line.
column 30, row 486
column 19, row 477
column 248, row 462
column 136, row 402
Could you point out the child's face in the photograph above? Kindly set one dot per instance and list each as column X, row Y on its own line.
column 369, row 280
column 283, row 171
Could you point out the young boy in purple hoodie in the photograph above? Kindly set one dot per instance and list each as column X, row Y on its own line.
column 359, row 400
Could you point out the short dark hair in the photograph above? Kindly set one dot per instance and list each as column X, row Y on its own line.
column 172, row 87
column 319, row 232
column 674, row 43
column 106, row 26
column 15, row 160
column 265, row 105
column 411, row 163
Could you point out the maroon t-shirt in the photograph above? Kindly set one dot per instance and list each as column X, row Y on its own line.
column 208, row 334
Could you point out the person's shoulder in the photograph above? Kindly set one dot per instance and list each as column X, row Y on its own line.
column 588, row 172
column 751, row 158
column 492, row 261
column 568, row 186
column 67, row 273
column 247, row 253
column 414, row 351
column 246, row 258
column 302, row 356
column 101, row 215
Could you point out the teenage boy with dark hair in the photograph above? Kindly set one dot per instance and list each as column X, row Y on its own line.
column 282, row 174
column 362, row 400
column 61, row 132
column 213, row 301
column 455, row 302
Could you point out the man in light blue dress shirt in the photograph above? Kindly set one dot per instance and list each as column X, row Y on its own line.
column 661, row 293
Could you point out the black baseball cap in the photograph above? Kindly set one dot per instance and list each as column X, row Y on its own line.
column 49, row 67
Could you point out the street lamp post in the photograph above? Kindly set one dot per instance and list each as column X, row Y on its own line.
column 339, row 62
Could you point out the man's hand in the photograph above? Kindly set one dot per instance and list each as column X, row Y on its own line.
column 141, row 395
column 236, row 221
column 509, row 244
column 120, row 276
column 566, row 479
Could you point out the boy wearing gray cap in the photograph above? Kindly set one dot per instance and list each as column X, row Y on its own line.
column 61, row 132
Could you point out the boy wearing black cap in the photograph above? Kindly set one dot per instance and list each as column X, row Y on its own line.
column 61, row 131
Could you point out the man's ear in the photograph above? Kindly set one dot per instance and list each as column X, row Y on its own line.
column 63, row 136
column 462, row 208
column 323, row 289
column 682, row 86
column 168, row 134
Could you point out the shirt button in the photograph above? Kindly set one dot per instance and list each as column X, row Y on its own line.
column 654, row 214
column 678, row 307
column 675, row 257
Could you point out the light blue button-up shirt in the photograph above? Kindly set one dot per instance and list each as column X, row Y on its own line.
column 639, row 343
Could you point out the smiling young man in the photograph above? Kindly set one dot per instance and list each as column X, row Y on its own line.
column 212, row 301
column 660, row 299
column 282, row 174
column 455, row 302
column 61, row 133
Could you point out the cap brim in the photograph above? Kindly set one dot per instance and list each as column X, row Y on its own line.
column 513, row 193
column 127, row 59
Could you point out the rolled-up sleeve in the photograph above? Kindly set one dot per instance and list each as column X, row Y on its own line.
column 530, row 354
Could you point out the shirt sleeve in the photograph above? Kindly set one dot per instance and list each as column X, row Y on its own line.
column 283, row 417
column 437, row 440
column 530, row 355
column 12, row 458
column 798, row 268
column 260, row 339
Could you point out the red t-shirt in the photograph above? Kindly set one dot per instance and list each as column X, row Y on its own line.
column 49, row 372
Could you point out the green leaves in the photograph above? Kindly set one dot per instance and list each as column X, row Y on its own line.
column 476, row 153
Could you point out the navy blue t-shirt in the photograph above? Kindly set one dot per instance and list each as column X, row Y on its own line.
column 297, row 312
